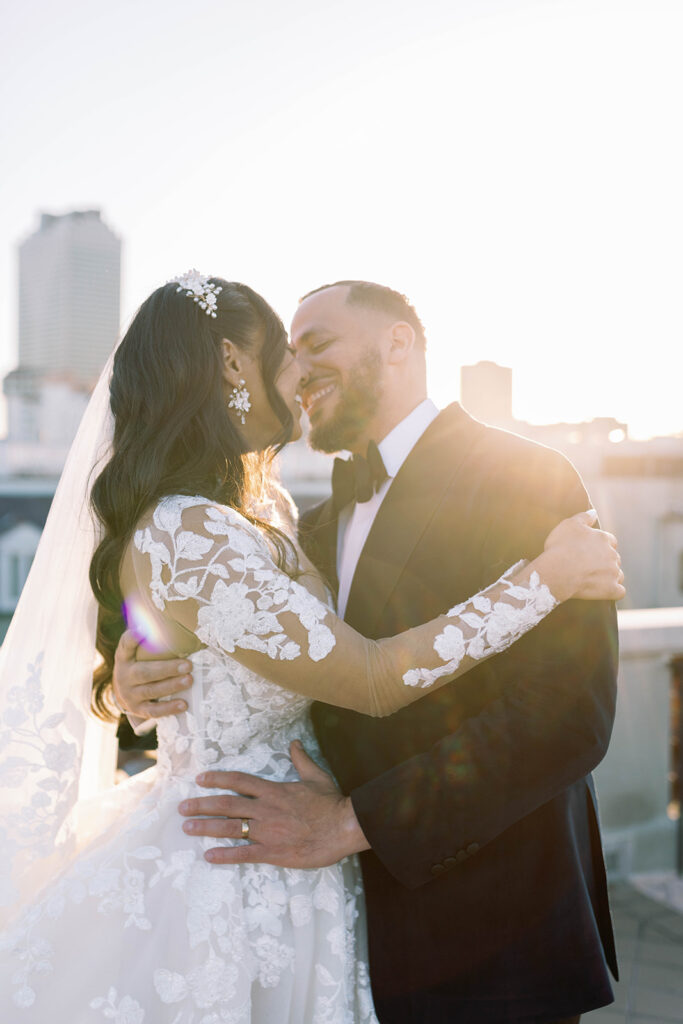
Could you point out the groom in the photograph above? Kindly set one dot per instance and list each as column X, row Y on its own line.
column 473, row 810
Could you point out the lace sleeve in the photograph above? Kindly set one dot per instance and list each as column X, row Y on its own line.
column 209, row 569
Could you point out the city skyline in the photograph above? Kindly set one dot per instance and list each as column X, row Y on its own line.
column 513, row 167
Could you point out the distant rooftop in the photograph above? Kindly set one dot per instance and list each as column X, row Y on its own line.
column 48, row 219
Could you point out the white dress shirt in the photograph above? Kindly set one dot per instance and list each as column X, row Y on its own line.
column 356, row 519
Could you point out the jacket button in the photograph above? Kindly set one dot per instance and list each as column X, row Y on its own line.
column 460, row 856
column 437, row 869
column 472, row 848
column 450, row 862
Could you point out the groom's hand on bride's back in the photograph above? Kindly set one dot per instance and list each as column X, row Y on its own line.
column 305, row 824
column 139, row 686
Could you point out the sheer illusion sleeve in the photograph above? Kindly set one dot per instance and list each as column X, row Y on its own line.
column 209, row 569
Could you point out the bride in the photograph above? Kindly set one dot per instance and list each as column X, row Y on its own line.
column 113, row 913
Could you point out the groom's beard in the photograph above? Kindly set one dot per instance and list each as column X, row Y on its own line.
column 356, row 405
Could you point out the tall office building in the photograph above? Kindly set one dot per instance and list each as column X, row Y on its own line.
column 69, row 295
column 69, row 289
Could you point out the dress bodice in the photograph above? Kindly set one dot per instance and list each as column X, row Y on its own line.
column 236, row 720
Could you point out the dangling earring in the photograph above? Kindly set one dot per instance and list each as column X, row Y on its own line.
column 239, row 400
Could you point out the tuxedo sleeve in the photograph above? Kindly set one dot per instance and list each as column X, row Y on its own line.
column 548, row 726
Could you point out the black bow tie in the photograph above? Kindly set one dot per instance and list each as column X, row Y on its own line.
column 357, row 479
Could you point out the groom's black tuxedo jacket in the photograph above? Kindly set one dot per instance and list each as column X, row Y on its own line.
column 485, row 886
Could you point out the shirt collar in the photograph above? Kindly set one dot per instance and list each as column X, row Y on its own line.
column 399, row 442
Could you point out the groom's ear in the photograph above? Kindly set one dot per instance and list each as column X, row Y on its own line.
column 401, row 341
column 232, row 363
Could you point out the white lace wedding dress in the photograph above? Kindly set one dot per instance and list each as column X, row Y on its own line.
column 140, row 929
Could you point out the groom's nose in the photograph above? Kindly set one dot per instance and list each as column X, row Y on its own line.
column 304, row 369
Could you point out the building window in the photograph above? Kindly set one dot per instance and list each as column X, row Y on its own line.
column 14, row 585
column 19, row 566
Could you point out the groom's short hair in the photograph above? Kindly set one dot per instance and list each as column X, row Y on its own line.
column 380, row 298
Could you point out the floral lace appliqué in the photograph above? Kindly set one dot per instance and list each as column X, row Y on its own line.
column 239, row 606
column 492, row 627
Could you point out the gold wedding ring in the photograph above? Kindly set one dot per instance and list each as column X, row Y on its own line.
column 245, row 828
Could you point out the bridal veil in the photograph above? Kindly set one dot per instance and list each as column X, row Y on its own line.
column 54, row 754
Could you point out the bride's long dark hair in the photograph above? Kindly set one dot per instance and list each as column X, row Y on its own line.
column 173, row 433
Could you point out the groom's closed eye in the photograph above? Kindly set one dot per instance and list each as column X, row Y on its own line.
column 320, row 346
column 315, row 343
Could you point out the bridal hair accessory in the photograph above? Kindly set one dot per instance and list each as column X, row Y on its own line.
column 239, row 401
column 198, row 288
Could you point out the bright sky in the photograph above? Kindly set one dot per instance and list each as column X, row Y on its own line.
column 514, row 166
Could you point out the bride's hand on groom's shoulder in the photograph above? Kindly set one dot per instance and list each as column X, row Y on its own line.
column 305, row 824
column 582, row 561
column 142, row 688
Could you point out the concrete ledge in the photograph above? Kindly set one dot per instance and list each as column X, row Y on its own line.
column 650, row 630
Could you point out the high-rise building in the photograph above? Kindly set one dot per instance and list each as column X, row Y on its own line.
column 69, row 295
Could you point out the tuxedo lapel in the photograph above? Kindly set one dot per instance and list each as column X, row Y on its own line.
column 318, row 538
column 405, row 513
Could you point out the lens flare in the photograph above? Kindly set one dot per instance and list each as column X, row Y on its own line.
column 145, row 625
